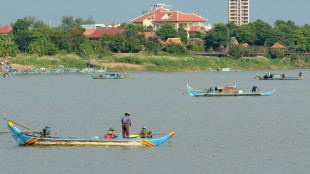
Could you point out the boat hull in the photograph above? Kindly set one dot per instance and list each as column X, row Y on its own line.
column 24, row 139
column 114, row 77
column 196, row 93
column 280, row 78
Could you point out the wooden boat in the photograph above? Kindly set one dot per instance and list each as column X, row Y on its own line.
column 113, row 76
column 226, row 91
column 270, row 76
column 224, row 70
column 27, row 138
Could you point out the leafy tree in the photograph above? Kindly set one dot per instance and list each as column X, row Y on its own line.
column 7, row 46
column 237, row 51
column 198, row 35
column 166, row 31
column 195, row 44
column 219, row 35
column 67, row 23
column 22, row 39
column 174, row 48
column 20, row 25
column 133, row 45
column 41, row 47
column 182, row 33
column 59, row 39
column 89, row 20
column 120, row 43
column 263, row 31
column 244, row 34
column 231, row 26
column 276, row 53
column 75, row 39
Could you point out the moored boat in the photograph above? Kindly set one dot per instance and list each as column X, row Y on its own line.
column 29, row 138
column 271, row 76
column 112, row 76
column 227, row 91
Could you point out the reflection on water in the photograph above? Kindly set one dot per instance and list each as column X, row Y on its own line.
column 213, row 135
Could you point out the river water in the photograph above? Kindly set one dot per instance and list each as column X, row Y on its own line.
column 233, row 135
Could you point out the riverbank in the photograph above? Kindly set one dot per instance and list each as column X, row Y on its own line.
column 145, row 62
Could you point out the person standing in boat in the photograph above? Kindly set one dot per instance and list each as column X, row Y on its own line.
column 300, row 74
column 126, row 122
column 254, row 88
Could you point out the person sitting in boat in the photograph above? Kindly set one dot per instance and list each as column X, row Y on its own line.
column 211, row 89
column 110, row 134
column 254, row 88
column 46, row 131
column 145, row 133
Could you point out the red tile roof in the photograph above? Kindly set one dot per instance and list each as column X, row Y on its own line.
column 99, row 32
column 175, row 40
column 148, row 34
column 245, row 45
column 89, row 32
column 197, row 28
column 236, row 42
column 277, row 45
column 164, row 15
column 5, row 29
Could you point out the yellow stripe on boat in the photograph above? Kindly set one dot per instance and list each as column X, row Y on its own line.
column 11, row 124
column 31, row 140
column 146, row 142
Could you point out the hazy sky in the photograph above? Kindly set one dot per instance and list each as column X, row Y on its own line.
column 118, row 11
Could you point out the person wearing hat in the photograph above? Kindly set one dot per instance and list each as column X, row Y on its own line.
column 145, row 133
column 110, row 133
column 125, row 125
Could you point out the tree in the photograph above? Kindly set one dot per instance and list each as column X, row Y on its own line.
column 20, row 25
column 219, row 35
column 174, row 48
column 276, row 53
column 120, row 43
column 182, row 33
column 7, row 46
column 237, row 51
column 195, row 44
column 133, row 45
column 89, row 20
column 263, row 31
column 75, row 39
column 22, row 34
column 67, row 23
column 166, row 31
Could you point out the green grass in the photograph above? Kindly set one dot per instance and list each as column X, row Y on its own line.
column 164, row 63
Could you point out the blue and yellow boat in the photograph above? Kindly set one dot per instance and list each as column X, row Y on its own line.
column 33, row 138
column 271, row 76
column 112, row 76
column 227, row 91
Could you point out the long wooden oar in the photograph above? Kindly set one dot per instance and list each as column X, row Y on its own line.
column 19, row 124
column 4, row 133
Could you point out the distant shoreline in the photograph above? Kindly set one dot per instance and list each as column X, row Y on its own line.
column 143, row 62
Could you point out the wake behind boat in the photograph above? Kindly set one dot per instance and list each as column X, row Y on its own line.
column 33, row 138
column 227, row 91
column 271, row 76
column 112, row 76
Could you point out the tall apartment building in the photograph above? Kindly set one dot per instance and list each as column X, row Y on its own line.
column 239, row 11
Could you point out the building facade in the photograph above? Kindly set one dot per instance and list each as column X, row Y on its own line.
column 239, row 11
column 177, row 19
